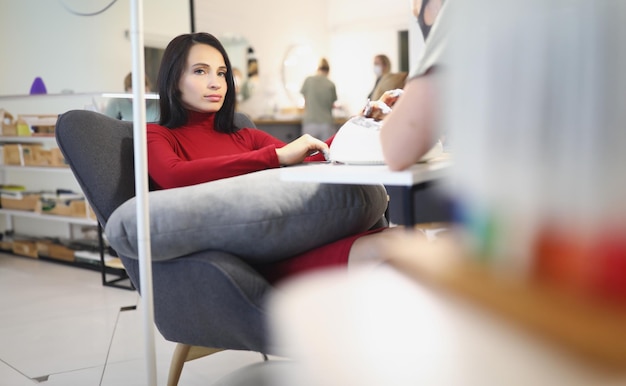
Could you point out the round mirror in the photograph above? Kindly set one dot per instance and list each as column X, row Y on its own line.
column 299, row 62
column 238, row 49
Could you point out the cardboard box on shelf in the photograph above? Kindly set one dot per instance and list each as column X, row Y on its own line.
column 47, row 248
column 36, row 124
column 56, row 158
column 6, row 245
column 20, row 200
column 21, row 154
column 65, row 207
column 48, row 157
column 25, row 248
column 8, row 127
column 42, row 247
column 60, row 252
column 12, row 154
column 29, row 154
column 40, row 157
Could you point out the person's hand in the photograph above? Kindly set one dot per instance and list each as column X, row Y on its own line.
column 380, row 108
column 376, row 110
column 390, row 97
column 296, row 151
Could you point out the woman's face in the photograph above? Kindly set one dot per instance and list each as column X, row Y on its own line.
column 203, row 82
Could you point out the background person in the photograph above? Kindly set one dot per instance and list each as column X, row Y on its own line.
column 320, row 95
column 382, row 66
column 385, row 79
column 251, row 84
column 122, row 108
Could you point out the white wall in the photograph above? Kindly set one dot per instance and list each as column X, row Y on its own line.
column 348, row 32
column 359, row 33
column 91, row 54
column 70, row 52
column 82, row 54
column 270, row 27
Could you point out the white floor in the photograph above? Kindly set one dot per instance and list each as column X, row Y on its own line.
column 60, row 327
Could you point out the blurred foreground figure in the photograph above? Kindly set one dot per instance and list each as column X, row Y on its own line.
column 534, row 99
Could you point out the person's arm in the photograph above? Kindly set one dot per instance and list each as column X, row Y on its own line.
column 410, row 129
column 407, row 133
column 168, row 169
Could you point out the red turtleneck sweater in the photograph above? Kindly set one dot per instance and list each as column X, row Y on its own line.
column 196, row 153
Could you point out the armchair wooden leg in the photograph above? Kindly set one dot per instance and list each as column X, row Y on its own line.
column 184, row 353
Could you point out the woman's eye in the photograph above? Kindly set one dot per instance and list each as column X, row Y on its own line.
column 222, row 73
column 198, row 71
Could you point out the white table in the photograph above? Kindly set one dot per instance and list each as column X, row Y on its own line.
column 417, row 185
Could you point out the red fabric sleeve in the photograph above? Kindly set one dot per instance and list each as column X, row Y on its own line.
column 176, row 159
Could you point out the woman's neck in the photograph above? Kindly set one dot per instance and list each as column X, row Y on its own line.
column 199, row 117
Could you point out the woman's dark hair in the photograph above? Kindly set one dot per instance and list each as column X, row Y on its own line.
column 173, row 113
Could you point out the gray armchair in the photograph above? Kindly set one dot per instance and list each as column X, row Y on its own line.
column 208, row 300
column 230, row 314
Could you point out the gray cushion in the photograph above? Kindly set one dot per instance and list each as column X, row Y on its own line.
column 255, row 215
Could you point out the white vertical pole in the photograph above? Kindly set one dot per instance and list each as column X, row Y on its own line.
column 141, row 186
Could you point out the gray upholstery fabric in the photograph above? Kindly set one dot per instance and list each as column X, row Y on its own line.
column 256, row 216
column 99, row 149
column 210, row 298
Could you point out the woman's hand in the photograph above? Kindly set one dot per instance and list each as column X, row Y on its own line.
column 379, row 109
column 296, row 151
column 390, row 97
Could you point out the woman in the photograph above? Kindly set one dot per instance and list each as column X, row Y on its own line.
column 196, row 141
column 320, row 95
column 122, row 108
column 382, row 67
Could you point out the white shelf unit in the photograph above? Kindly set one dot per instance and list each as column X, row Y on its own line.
column 39, row 178
column 48, row 217
column 51, row 178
